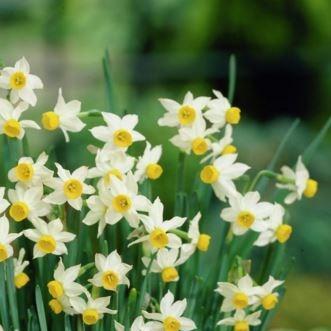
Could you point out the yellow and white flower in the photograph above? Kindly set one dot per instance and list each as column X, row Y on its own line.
column 301, row 183
column 170, row 317
column 31, row 173
column 27, row 203
column 194, row 138
column 64, row 283
column 111, row 271
column 6, row 250
column 199, row 240
column 91, row 310
column 223, row 146
column 184, row 114
column 167, row 260
column 220, row 111
column 148, row 164
column 159, row 231
column 10, row 123
column 246, row 212
column 242, row 321
column 64, row 117
column 276, row 229
column 125, row 201
column 221, row 173
column 20, row 82
column 109, row 164
column 69, row 187
column 119, row 134
column 240, row 296
column 3, row 202
column 268, row 299
column 49, row 238
column 20, row 277
column 60, row 305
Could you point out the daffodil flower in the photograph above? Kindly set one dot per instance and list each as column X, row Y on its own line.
column 20, row 82
column 268, row 298
column 10, row 123
column 20, row 277
column 242, row 321
column 199, row 240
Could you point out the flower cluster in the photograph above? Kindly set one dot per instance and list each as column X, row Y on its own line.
column 114, row 194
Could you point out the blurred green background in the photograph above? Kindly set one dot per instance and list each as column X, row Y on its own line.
column 164, row 48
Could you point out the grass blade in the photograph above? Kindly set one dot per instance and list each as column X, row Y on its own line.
column 40, row 309
column 3, row 298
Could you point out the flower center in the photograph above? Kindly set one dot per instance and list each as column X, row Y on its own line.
column 17, row 80
column 171, row 324
column 50, row 120
column 121, row 203
column 209, row 174
column 245, row 219
column 232, row 115
column 21, row 280
column 12, row 128
column 19, row 211
column 46, row 244
column 241, row 326
column 90, row 316
column 169, row 274
column 110, row 280
column 159, row 238
column 24, row 172
column 186, row 115
column 240, row 300
column 283, row 233
column 56, row 306
column 311, row 188
column 55, row 289
column 199, row 146
column 269, row 301
column 3, row 253
column 203, row 242
column 72, row 189
column 114, row 172
column 154, row 171
column 229, row 149
column 122, row 138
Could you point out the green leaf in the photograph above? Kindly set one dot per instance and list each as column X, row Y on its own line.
column 40, row 309
column 3, row 299
column 232, row 77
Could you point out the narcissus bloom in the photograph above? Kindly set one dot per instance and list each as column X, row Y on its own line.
column 111, row 271
column 119, row 134
column 166, row 262
column 159, row 231
column 238, row 296
column 276, row 229
column 49, row 238
column 242, row 321
column 20, row 82
column 92, row 310
column 10, row 123
column 60, row 305
column 6, row 250
column 69, row 187
column 148, row 164
column 170, row 317
column 184, row 114
column 267, row 297
column 20, row 277
column 64, row 117
column 221, row 173
column 246, row 212
column 26, row 203
column 199, row 240
column 194, row 138
column 299, row 182
column 220, row 111
column 31, row 173
column 64, row 283
column 125, row 201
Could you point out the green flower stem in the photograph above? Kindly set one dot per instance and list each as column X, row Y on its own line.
column 3, row 299
column 181, row 234
column 85, row 268
column 90, row 113
column 261, row 174
column 180, row 191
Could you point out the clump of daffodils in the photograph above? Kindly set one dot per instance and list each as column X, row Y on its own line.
column 97, row 245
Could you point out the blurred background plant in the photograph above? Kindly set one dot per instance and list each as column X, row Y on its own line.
column 163, row 48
